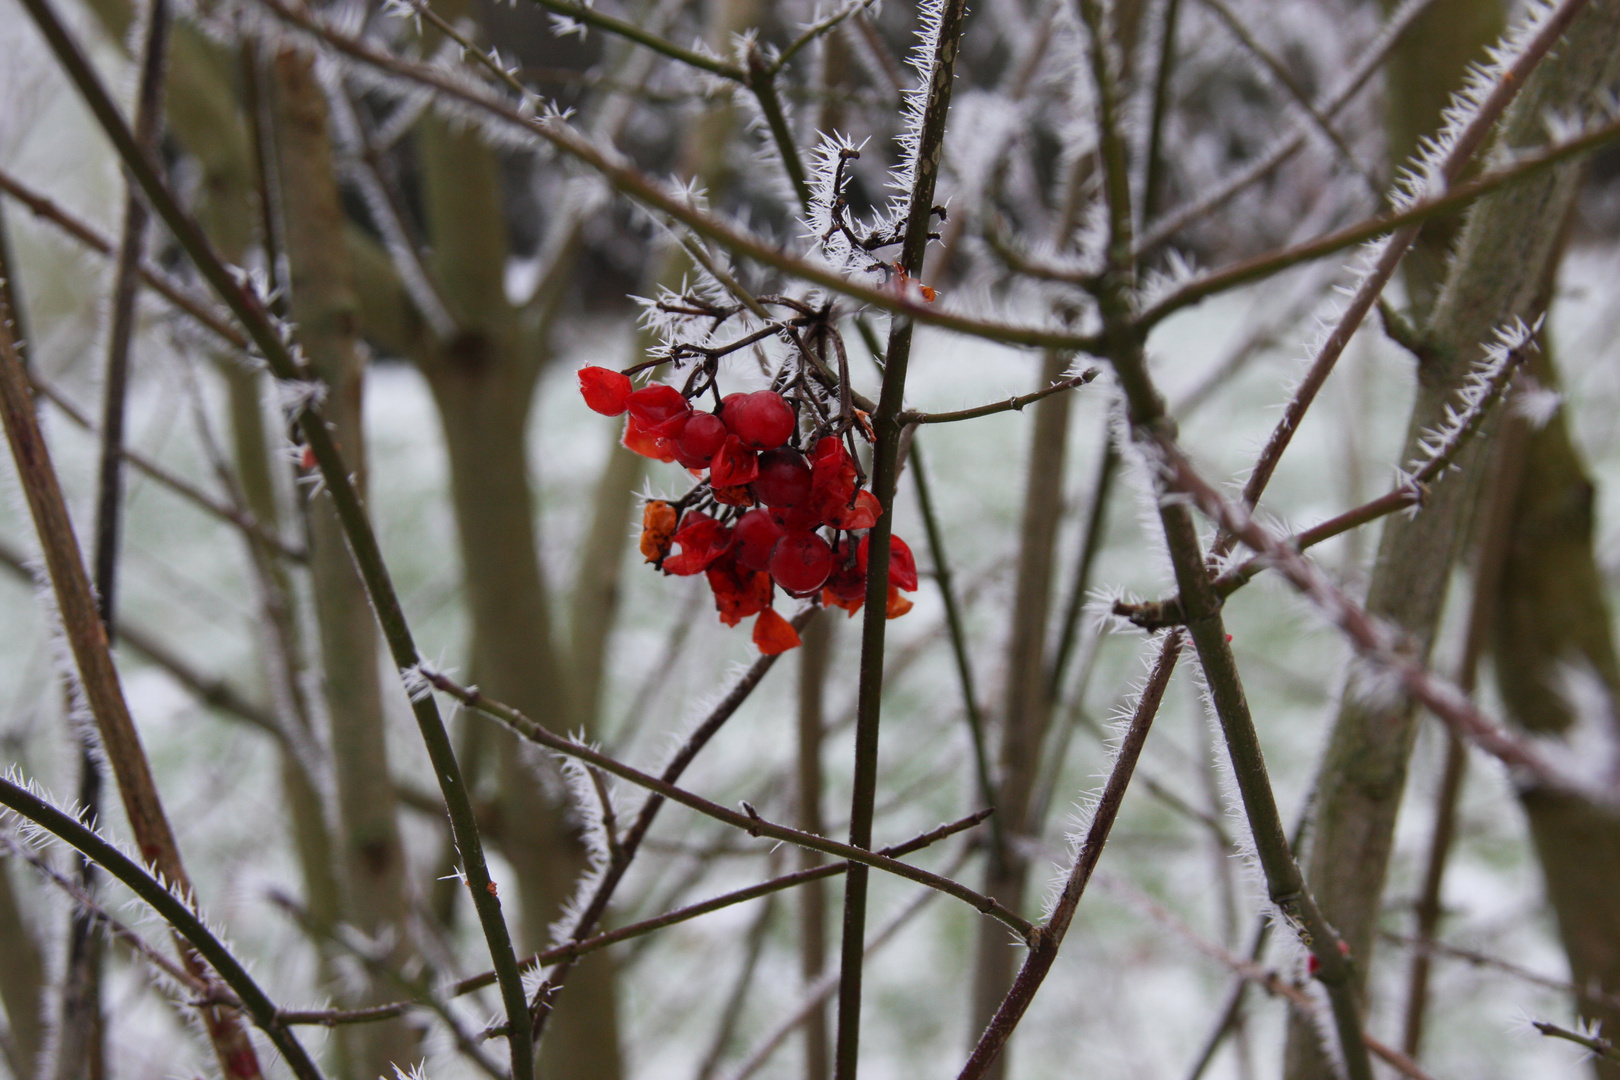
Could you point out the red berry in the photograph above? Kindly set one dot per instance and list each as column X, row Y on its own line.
column 660, row 410
column 756, row 534
column 801, row 562
column 902, row 566
column 605, row 391
column 801, row 518
column 763, row 421
column 784, row 478
column 733, row 464
column 846, row 588
column 699, row 439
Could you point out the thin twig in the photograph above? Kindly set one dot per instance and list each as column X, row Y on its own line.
column 422, row 993
column 753, row 945
column 636, row 185
column 589, row 16
column 1597, row 1045
column 1050, row 935
column 1467, row 144
column 1434, row 948
column 1265, row 265
column 596, row 908
column 98, row 675
column 98, row 914
column 816, row 996
column 1012, row 404
column 250, row 312
column 1145, row 412
column 238, row 517
column 177, row 913
column 1506, row 470
column 1218, row 195
column 159, row 282
column 1091, row 542
column 1374, row 640
column 1280, row 73
column 1272, row 982
column 210, row 691
column 748, row 820
column 959, row 646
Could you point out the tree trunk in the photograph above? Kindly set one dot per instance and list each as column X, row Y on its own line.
column 324, row 306
column 22, row 979
column 1510, row 241
column 483, row 383
column 1027, row 705
column 1552, row 629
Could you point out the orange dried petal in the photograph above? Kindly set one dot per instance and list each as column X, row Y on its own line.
column 657, row 529
column 774, row 634
column 898, row 605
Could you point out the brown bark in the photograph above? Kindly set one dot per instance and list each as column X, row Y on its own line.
column 324, row 306
column 813, row 662
column 98, row 677
column 22, row 979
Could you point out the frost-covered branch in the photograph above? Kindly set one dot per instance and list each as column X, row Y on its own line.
column 1012, row 404
column 1048, row 937
column 1388, row 664
column 1492, row 376
column 748, row 820
column 180, row 915
column 1457, row 198
column 461, row 99
column 1480, row 106
column 246, row 305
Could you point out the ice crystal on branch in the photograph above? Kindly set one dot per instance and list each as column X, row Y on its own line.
column 1487, row 381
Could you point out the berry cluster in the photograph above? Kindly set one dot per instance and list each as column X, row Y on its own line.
column 765, row 514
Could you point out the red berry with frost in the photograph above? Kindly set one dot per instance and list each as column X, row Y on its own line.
column 605, row 391
column 801, row 562
column 660, row 410
column 763, row 420
column 784, row 478
column 699, row 439
column 754, row 538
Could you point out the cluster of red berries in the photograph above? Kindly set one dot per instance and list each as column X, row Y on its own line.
column 772, row 502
